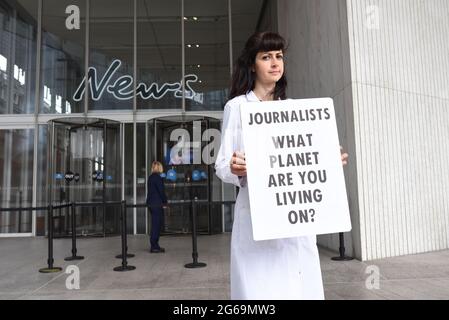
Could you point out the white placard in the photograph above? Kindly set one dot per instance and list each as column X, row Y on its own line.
column 295, row 175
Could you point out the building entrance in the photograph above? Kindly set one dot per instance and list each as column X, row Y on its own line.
column 186, row 147
column 84, row 167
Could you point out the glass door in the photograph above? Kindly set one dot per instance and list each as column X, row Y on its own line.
column 85, row 168
column 177, row 142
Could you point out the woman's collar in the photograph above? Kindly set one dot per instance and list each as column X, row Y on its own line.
column 251, row 97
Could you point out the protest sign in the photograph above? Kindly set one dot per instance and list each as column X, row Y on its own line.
column 294, row 171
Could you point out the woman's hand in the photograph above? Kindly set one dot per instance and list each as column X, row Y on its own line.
column 344, row 156
column 238, row 164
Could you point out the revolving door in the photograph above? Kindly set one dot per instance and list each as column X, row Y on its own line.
column 85, row 167
column 187, row 146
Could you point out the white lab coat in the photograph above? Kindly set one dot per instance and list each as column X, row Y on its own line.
column 269, row 269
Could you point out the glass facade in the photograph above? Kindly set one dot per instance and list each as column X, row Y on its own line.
column 141, row 174
column 159, row 54
column 206, row 26
column 16, row 179
column 62, row 57
column 129, row 170
column 41, row 174
column 18, row 32
column 123, row 60
column 111, row 39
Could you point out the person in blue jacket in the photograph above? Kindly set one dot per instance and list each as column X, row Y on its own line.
column 156, row 201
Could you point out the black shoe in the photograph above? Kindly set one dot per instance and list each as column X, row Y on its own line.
column 159, row 250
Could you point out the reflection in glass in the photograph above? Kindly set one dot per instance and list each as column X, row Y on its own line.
column 62, row 64
column 111, row 49
column 207, row 53
column 159, row 54
column 17, row 57
column 16, row 179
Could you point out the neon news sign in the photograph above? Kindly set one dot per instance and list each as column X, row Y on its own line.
column 122, row 88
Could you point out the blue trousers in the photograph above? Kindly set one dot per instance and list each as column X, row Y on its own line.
column 157, row 214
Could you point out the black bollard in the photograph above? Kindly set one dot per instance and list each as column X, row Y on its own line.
column 195, row 263
column 50, row 260
column 342, row 256
column 128, row 255
column 124, row 266
column 74, row 256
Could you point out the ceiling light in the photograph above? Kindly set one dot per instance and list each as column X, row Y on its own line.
column 195, row 18
column 197, row 45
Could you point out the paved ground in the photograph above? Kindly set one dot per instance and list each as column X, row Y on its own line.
column 163, row 276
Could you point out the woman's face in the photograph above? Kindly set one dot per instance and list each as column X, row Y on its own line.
column 269, row 67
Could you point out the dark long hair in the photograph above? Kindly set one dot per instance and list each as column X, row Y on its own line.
column 243, row 79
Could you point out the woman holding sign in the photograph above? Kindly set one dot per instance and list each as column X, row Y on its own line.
column 269, row 269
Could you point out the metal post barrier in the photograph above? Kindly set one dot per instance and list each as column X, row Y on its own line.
column 128, row 255
column 342, row 256
column 74, row 256
column 195, row 263
column 124, row 266
column 50, row 260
